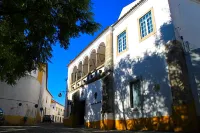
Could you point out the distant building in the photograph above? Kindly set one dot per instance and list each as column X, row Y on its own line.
column 46, row 102
column 140, row 73
column 28, row 99
column 57, row 111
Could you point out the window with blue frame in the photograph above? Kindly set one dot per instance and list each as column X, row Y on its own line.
column 146, row 24
column 121, row 38
column 135, row 94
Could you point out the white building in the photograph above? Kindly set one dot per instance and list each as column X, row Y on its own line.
column 142, row 72
column 46, row 102
column 57, row 111
column 25, row 99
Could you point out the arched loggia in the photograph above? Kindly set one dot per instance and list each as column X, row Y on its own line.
column 74, row 74
column 85, row 66
column 92, row 60
column 79, row 72
column 101, row 54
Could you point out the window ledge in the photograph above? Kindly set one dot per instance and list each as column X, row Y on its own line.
column 122, row 52
column 147, row 36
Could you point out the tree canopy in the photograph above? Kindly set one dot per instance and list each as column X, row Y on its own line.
column 29, row 29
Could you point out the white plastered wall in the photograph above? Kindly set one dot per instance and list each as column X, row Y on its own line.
column 81, row 57
column 46, row 102
column 144, row 60
column 26, row 91
column 92, row 105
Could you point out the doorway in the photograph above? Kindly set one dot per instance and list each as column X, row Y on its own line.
column 82, row 112
column 79, row 113
column 78, row 110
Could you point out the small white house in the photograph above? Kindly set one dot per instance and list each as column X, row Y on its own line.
column 140, row 73
column 57, row 111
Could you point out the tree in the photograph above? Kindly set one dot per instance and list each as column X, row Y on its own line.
column 29, row 29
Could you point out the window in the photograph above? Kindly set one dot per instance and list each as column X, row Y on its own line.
column 146, row 24
column 135, row 95
column 121, row 41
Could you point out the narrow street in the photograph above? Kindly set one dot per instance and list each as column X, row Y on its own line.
column 54, row 128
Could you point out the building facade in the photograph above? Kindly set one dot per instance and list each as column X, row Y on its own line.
column 46, row 102
column 23, row 102
column 142, row 72
column 57, row 111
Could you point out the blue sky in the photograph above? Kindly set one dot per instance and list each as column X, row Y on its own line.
column 106, row 12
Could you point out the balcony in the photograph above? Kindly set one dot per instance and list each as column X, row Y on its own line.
column 89, row 78
column 90, row 69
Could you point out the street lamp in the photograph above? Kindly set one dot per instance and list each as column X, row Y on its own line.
column 60, row 94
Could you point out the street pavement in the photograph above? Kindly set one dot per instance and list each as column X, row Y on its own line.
column 55, row 128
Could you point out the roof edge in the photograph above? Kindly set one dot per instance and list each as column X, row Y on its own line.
column 49, row 92
column 135, row 6
column 57, row 102
column 88, row 45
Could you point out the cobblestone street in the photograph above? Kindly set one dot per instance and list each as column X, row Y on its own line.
column 54, row 128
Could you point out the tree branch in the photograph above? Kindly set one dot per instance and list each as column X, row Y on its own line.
column 7, row 11
column 4, row 12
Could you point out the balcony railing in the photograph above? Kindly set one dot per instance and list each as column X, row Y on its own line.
column 88, row 78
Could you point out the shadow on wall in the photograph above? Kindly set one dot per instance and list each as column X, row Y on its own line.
column 154, row 103
column 93, row 104
column 151, row 70
column 195, row 73
column 166, row 34
column 155, row 110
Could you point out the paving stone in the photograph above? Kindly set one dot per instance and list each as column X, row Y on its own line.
column 57, row 128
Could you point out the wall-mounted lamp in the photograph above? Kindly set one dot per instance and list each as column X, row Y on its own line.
column 60, row 94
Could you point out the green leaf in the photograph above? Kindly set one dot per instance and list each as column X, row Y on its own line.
column 29, row 29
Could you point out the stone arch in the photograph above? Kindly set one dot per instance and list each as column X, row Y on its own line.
column 79, row 72
column 101, row 54
column 85, row 65
column 74, row 74
column 92, row 60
